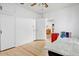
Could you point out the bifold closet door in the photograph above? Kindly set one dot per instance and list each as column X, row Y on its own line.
column 0, row 31
column 8, row 32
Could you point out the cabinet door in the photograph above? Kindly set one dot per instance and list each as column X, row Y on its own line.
column 8, row 32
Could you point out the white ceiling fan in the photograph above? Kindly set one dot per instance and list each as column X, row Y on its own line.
column 39, row 4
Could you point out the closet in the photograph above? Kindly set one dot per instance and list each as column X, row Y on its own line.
column 7, row 29
column 17, row 26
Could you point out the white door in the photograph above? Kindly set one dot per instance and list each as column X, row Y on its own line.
column 34, row 29
column 40, row 29
column 8, row 32
column 0, row 31
column 24, row 31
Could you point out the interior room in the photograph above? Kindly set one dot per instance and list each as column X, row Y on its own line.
column 39, row 29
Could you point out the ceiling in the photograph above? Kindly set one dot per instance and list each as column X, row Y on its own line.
column 51, row 7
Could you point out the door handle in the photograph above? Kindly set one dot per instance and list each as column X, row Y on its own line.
column 0, row 31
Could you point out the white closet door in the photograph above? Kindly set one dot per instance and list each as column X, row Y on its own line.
column 34, row 29
column 8, row 32
column 24, row 31
column 0, row 31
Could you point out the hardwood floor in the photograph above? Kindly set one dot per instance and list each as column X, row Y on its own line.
column 35, row 48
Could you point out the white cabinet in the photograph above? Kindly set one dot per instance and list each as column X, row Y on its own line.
column 7, row 26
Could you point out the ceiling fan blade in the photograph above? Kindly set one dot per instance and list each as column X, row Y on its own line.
column 22, row 3
column 33, row 4
column 46, row 5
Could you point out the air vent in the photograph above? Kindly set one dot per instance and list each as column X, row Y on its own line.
column 0, row 7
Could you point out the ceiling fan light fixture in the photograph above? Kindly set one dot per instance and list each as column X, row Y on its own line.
column 22, row 3
column 46, row 5
column 40, row 4
column 33, row 4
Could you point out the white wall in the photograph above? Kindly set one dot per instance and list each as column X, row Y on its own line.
column 24, row 30
column 66, row 19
